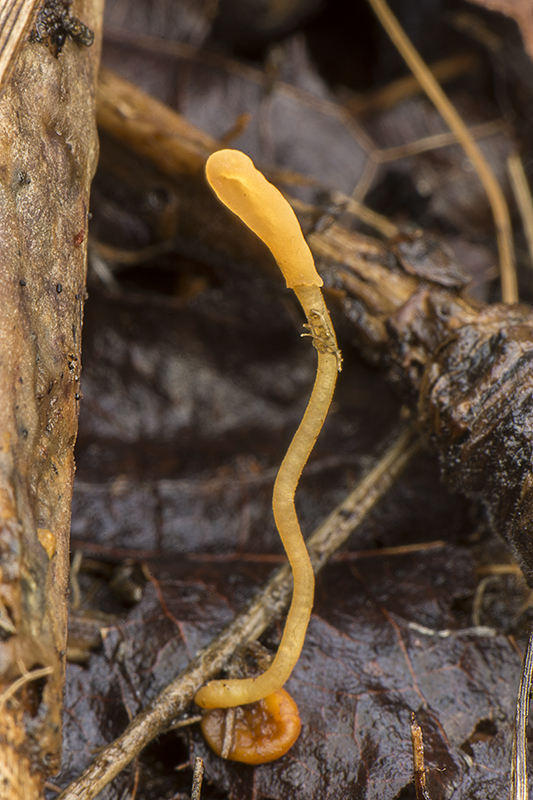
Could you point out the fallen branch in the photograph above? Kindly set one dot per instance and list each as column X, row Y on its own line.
column 48, row 148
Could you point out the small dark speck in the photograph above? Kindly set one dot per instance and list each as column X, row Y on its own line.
column 77, row 396
column 24, row 433
column 78, row 239
column 59, row 288
column 22, row 282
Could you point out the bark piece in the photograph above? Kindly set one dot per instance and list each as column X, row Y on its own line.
column 48, row 151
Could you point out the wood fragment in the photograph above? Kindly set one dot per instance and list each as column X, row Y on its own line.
column 48, row 151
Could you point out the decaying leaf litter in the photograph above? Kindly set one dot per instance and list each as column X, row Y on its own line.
column 148, row 487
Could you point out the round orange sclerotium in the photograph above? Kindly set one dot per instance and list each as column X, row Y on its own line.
column 263, row 731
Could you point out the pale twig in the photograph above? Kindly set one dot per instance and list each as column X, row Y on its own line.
column 197, row 778
column 419, row 768
column 229, row 731
column 75, row 591
column 27, row 677
column 482, row 631
column 478, row 598
column 519, row 788
column 437, row 140
column 247, row 625
column 453, row 119
column 402, row 88
column 360, row 211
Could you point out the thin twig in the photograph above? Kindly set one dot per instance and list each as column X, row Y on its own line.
column 479, row 596
column 522, row 194
column 197, row 778
column 402, row 88
column 437, row 141
column 75, row 591
column 247, row 625
column 419, row 768
column 229, row 731
column 27, row 677
column 519, row 790
column 486, row 175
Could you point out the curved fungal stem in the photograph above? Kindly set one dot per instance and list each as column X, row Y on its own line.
column 264, row 209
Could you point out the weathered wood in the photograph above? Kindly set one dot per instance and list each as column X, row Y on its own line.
column 48, row 152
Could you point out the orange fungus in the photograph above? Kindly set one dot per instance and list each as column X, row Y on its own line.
column 263, row 731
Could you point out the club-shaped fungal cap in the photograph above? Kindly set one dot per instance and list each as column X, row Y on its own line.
column 263, row 731
column 245, row 191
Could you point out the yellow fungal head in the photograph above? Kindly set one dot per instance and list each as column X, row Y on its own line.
column 245, row 191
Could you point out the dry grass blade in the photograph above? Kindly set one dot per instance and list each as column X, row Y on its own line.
column 523, row 198
column 492, row 187
column 247, row 625
column 519, row 787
